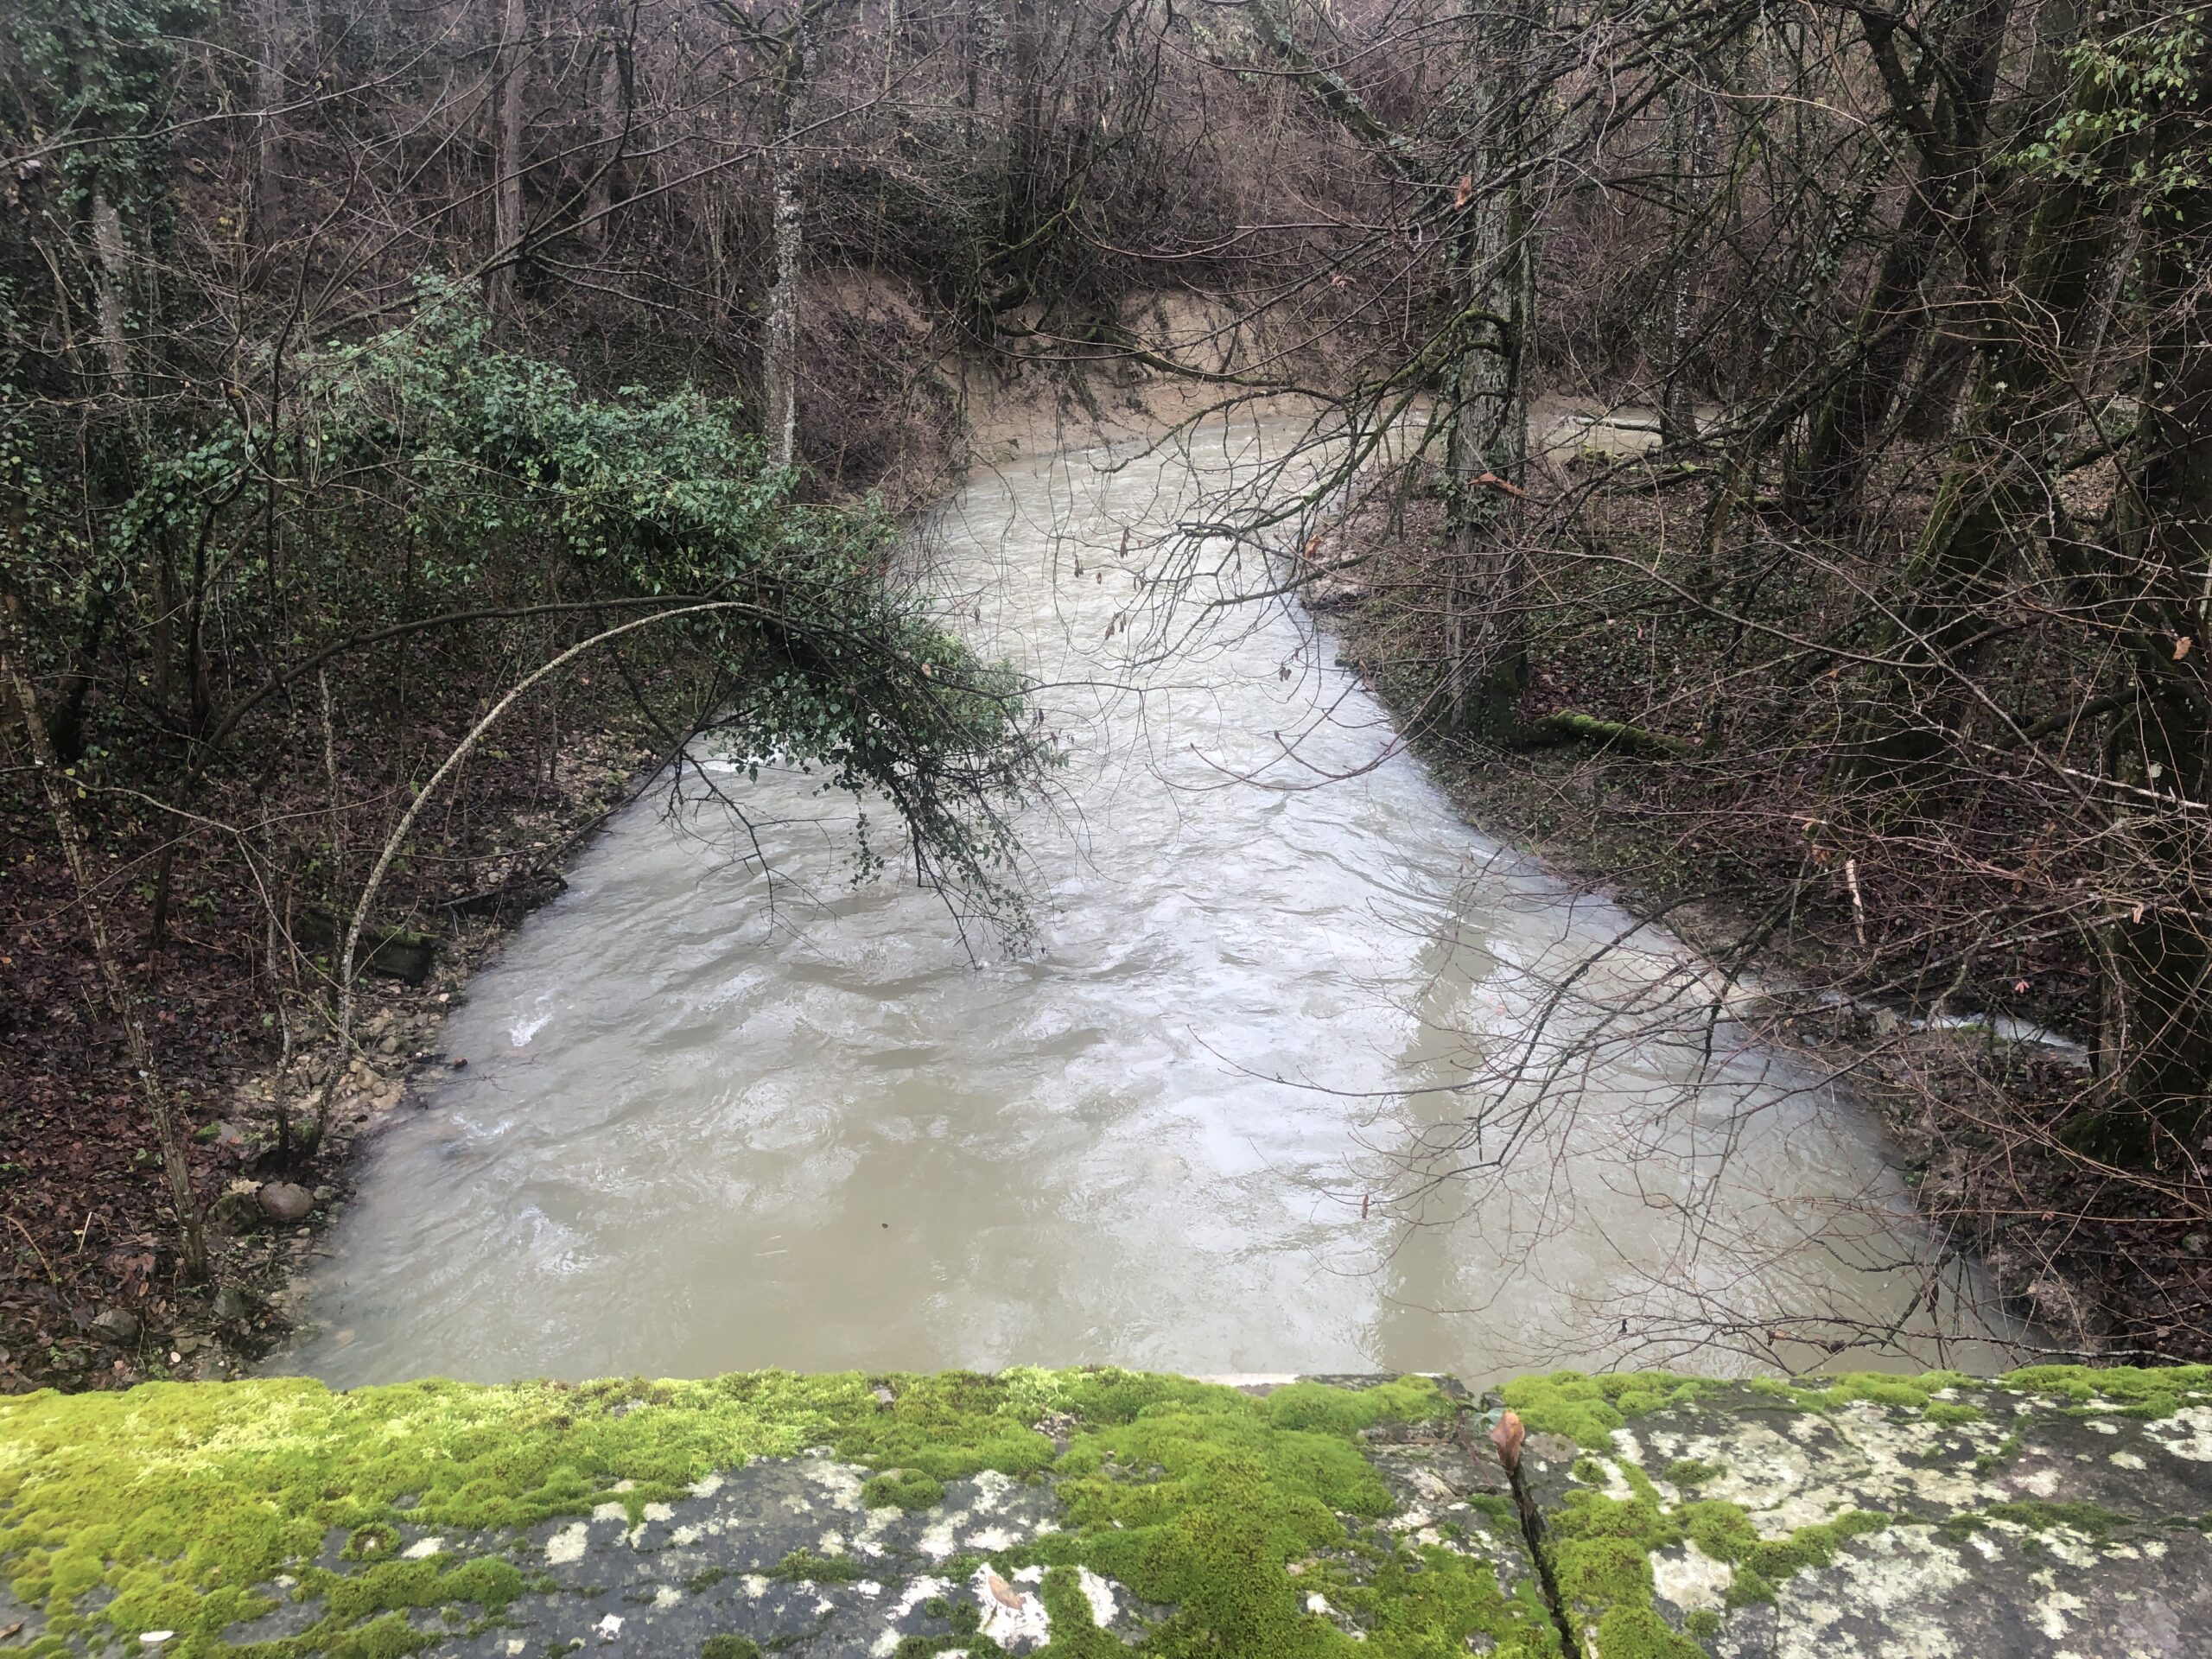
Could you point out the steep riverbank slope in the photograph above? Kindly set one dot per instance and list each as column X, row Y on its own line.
column 1641, row 1516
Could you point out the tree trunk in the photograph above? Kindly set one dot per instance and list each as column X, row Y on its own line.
column 2158, row 1025
column 1946, row 193
column 1997, row 488
column 1689, row 125
column 268, row 97
column 15, row 668
column 508, row 68
column 613, row 111
column 1485, row 655
column 112, row 283
column 779, row 347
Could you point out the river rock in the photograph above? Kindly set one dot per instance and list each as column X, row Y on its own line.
column 118, row 1325
column 285, row 1201
column 230, row 1303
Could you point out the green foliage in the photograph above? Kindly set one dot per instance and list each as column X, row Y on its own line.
column 97, row 78
column 2135, row 121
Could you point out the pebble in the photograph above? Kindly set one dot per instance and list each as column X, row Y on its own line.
column 285, row 1201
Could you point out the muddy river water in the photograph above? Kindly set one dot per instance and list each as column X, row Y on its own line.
column 1298, row 1073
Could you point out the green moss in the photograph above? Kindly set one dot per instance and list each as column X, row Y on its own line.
column 1689, row 1474
column 2007, row 1447
column 175, row 1506
column 374, row 1543
column 1588, row 1409
column 1703, row 1624
column 804, row 1565
column 1075, row 1634
column 1639, row 1632
column 2091, row 1520
column 903, row 1489
column 2136, row 1391
column 1600, row 1551
column 729, row 1647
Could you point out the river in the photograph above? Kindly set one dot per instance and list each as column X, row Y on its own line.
column 1299, row 1073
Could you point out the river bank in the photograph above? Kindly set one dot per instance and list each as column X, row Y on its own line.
column 1643, row 1515
column 1695, row 814
column 86, row 1305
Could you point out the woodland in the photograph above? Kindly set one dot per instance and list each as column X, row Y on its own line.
column 419, row 421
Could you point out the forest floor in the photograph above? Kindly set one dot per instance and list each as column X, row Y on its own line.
column 2108, row 1261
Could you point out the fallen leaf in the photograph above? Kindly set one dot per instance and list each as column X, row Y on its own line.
column 1506, row 1438
column 2182, row 645
column 1464, row 191
column 1003, row 1592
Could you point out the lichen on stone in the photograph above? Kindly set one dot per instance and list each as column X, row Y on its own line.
column 181, row 1508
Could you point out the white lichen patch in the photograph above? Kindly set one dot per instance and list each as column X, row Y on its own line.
column 1691, row 1578
column 1099, row 1592
column 1894, row 1580
column 2055, row 1610
column 423, row 1549
column 917, row 1591
column 2129, row 1460
column 666, row 1595
column 706, row 1486
column 567, row 1545
column 868, row 1540
column 840, row 1483
column 660, row 1512
column 2074, row 1548
column 2186, row 1434
column 1014, row 1614
column 610, row 1512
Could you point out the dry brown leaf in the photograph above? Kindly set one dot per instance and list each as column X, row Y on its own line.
column 1506, row 1438
column 1003, row 1592
column 1464, row 191
column 2181, row 646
